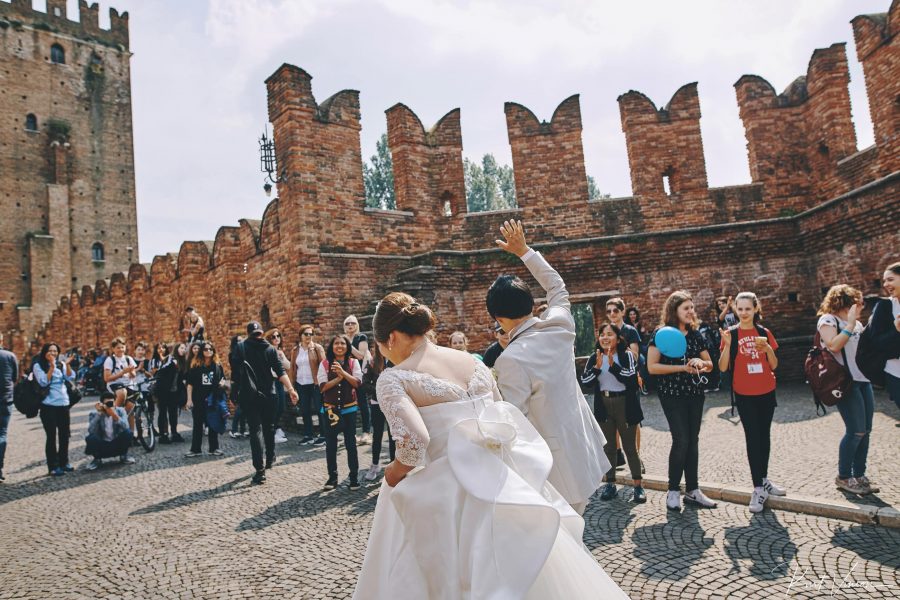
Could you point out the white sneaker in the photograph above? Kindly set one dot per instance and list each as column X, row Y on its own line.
column 280, row 438
column 699, row 498
column 758, row 500
column 372, row 473
column 673, row 500
column 772, row 489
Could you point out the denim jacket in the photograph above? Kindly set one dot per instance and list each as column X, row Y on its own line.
column 95, row 424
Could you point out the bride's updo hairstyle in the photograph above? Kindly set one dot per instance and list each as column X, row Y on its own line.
column 401, row 312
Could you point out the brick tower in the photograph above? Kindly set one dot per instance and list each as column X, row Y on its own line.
column 67, row 188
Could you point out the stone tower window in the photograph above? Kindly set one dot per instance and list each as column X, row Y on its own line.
column 97, row 253
column 57, row 54
column 31, row 122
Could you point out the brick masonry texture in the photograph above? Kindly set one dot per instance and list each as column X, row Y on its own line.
column 69, row 182
column 818, row 212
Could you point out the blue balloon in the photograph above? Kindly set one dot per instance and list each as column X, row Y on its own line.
column 671, row 342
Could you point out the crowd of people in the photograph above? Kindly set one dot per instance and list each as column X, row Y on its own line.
column 332, row 388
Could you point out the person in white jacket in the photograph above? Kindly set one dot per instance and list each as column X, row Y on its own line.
column 537, row 372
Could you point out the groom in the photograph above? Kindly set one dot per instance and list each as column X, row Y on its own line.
column 536, row 372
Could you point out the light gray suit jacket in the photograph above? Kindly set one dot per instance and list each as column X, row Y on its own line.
column 536, row 373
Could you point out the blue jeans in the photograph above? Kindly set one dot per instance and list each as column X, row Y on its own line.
column 892, row 383
column 856, row 409
column 310, row 403
column 238, row 421
column 4, row 428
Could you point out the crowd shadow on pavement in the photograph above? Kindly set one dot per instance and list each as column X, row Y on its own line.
column 765, row 542
column 858, row 539
column 230, row 488
column 354, row 502
column 669, row 550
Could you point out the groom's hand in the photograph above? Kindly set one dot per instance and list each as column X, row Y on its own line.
column 514, row 236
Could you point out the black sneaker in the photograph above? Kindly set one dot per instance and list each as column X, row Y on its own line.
column 354, row 485
column 177, row 438
column 270, row 463
column 609, row 492
column 319, row 441
column 640, row 496
column 2, row 478
column 259, row 478
column 164, row 439
column 331, row 483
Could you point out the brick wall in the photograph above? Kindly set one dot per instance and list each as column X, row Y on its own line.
column 817, row 213
column 68, row 183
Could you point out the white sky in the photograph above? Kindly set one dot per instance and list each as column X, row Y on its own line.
column 200, row 102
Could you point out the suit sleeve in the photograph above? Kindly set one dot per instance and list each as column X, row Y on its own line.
column 514, row 383
column 553, row 284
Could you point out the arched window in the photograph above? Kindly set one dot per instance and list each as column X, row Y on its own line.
column 57, row 54
column 97, row 251
column 30, row 122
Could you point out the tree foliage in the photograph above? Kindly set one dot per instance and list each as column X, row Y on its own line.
column 378, row 176
column 594, row 192
column 489, row 186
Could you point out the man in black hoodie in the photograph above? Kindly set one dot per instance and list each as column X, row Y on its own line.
column 261, row 361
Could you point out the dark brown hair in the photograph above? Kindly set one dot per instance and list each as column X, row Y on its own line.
column 401, row 312
column 893, row 268
column 669, row 315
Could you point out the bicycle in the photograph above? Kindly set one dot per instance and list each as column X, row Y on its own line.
column 143, row 413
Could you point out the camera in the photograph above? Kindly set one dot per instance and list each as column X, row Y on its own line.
column 109, row 403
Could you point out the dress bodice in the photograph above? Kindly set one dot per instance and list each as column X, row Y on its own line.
column 422, row 408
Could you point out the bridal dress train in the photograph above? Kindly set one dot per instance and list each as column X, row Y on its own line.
column 478, row 520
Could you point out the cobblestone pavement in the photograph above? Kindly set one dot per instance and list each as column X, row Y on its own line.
column 804, row 446
column 169, row 528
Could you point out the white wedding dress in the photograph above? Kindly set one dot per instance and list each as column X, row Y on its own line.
column 477, row 518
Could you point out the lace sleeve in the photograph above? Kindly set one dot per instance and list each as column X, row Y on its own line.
column 403, row 416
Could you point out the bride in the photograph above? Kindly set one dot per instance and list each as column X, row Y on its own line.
column 465, row 510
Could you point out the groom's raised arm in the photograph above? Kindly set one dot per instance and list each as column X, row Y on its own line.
column 549, row 279
column 514, row 242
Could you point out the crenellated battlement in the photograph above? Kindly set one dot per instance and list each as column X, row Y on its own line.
column 19, row 13
column 317, row 254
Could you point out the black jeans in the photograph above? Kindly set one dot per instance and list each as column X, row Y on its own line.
column 347, row 425
column 364, row 409
column 310, row 403
column 260, row 416
column 684, row 416
column 55, row 420
column 199, row 411
column 756, row 416
column 379, row 424
column 280, row 403
column 168, row 413
column 99, row 448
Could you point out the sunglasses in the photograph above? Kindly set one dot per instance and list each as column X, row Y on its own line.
column 350, row 323
column 208, row 350
column 276, row 335
column 307, row 334
column 610, row 311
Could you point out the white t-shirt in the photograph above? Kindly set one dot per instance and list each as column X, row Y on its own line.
column 115, row 365
column 304, row 372
column 608, row 381
column 849, row 347
column 892, row 366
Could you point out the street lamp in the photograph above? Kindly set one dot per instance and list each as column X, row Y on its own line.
column 267, row 162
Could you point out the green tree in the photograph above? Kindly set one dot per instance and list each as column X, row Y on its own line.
column 489, row 186
column 594, row 192
column 378, row 176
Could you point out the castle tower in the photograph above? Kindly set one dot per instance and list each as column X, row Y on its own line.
column 67, row 191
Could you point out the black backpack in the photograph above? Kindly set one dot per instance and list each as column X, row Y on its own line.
column 733, row 352
column 870, row 355
column 28, row 395
column 248, row 389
